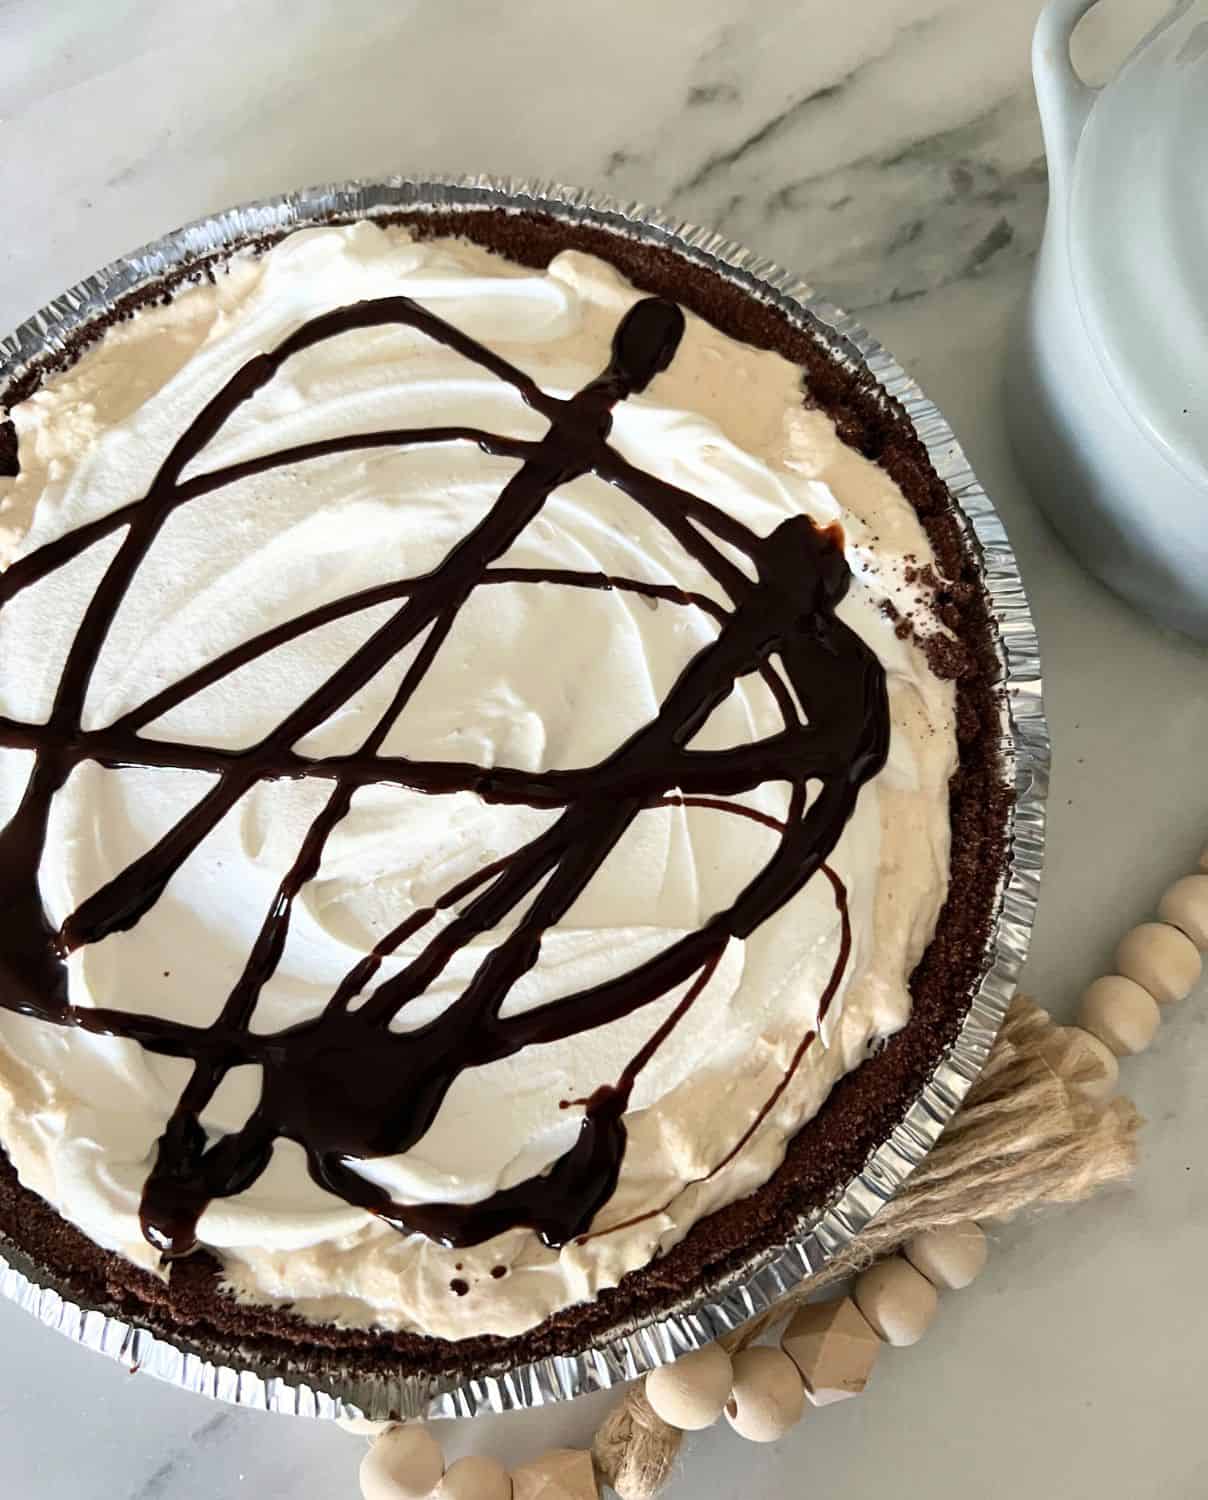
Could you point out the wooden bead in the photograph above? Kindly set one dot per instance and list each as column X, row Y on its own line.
column 405, row 1463
column 1185, row 906
column 1085, row 1062
column 833, row 1347
column 950, row 1258
column 897, row 1300
column 476, row 1477
column 560, row 1474
column 691, row 1393
column 767, row 1397
column 1161, row 959
column 1120, row 1013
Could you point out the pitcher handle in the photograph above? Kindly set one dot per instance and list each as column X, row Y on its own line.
column 1064, row 100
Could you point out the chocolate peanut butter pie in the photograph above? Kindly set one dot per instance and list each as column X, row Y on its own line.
column 498, row 790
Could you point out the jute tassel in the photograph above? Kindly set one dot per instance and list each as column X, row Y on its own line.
column 1024, row 1136
column 634, row 1451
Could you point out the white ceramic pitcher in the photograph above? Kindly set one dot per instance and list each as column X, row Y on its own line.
column 1108, row 381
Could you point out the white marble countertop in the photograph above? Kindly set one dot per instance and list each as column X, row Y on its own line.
column 890, row 149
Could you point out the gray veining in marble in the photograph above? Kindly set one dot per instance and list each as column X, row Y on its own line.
column 890, row 149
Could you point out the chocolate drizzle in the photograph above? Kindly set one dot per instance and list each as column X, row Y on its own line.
column 344, row 1086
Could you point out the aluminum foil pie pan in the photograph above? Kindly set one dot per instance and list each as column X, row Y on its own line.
column 1024, row 748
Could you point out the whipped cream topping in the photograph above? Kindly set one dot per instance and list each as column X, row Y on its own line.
column 533, row 677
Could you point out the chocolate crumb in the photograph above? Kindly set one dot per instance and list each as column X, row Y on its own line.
column 947, row 658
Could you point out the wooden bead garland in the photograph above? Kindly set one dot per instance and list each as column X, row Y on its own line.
column 405, row 1463
column 475, row 1477
column 767, row 1397
column 691, row 1393
column 951, row 1258
column 1161, row 959
column 1120, row 1013
column 1185, row 906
